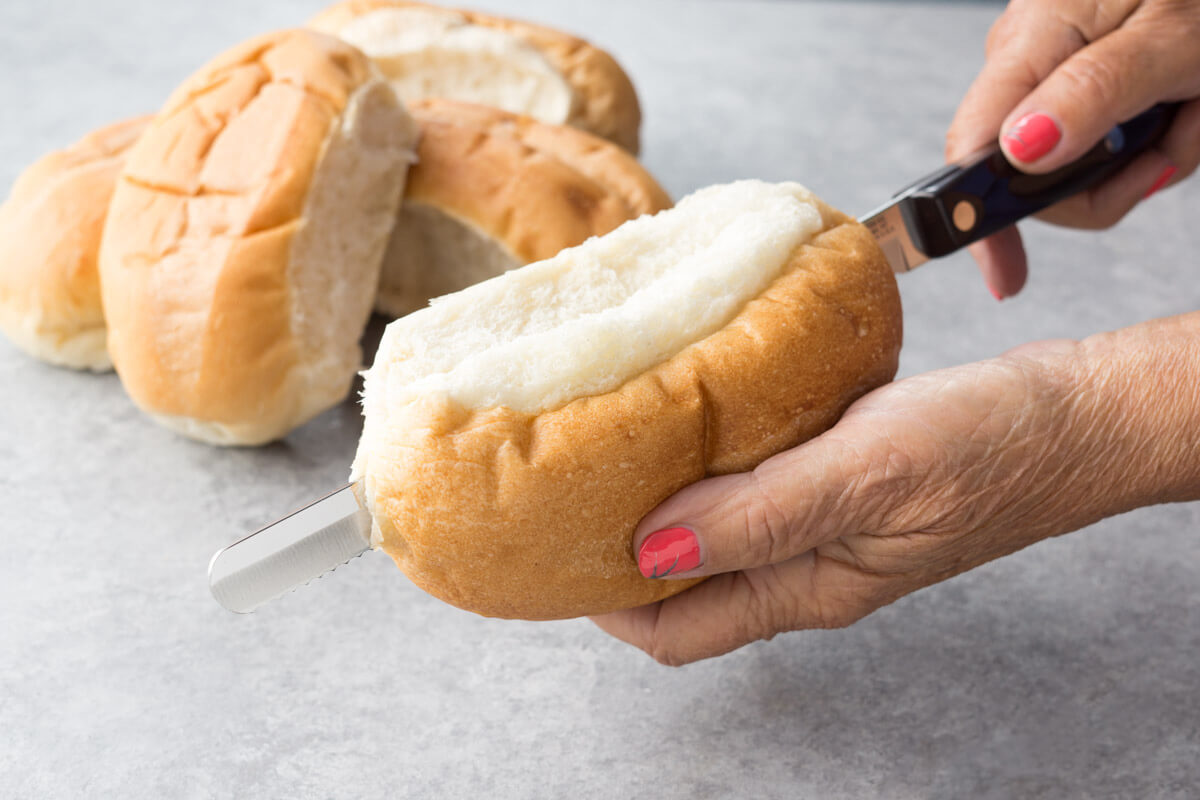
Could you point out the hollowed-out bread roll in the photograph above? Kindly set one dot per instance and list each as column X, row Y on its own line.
column 430, row 51
column 493, row 190
column 517, row 431
column 242, row 248
column 49, row 241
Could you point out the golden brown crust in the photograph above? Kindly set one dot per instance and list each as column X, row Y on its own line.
column 513, row 515
column 196, row 252
column 536, row 188
column 607, row 101
column 49, row 241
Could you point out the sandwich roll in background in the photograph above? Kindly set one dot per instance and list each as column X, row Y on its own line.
column 242, row 248
column 517, row 431
column 492, row 190
column 50, row 230
column 431, row 51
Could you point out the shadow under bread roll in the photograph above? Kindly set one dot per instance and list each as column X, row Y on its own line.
column 517, row 431
column 242, row 248
column 492, row 190
column 49, row 241
column 432, row 51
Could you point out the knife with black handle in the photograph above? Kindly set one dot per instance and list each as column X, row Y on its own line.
column 962, row 203
column 939, row 214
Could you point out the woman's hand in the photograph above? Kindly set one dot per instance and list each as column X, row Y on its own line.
column 920, row 480
column 1058, row 76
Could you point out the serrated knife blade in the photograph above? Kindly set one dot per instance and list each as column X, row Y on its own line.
column 937, row 215
column 289, row 553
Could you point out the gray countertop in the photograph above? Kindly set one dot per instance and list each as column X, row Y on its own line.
column 1070, row 669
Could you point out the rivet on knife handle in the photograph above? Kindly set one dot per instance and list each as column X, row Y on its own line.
column 291, row 552
column 962, row 203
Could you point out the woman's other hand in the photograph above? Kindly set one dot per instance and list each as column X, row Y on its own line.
column 920, row 480
column 1058, row 76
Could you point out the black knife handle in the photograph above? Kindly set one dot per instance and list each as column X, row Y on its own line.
column 964, row 202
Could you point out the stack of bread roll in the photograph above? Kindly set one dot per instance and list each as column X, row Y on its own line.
column 225, row 255
column 251, row 225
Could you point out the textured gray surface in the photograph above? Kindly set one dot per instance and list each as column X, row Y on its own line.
column 1067, row 670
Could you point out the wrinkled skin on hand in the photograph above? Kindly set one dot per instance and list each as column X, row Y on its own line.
column 920, row 480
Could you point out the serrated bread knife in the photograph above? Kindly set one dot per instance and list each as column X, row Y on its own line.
column 933, row 217
column 291, row 552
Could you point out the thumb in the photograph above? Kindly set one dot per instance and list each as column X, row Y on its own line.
column 790, row 504
column 1107, row 82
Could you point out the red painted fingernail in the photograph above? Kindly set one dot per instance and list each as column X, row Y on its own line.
column 668, row 552
column 1031, row 137
column 1163, row 179
column 996, row 294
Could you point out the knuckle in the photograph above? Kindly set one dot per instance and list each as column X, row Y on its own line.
column 957, row 143
column 839, row 615
column 1004, row 29
column 1095, row 82
column 767, row 524
column 1015, row 28
column 841, row 598
column 667, row 656
column 767, row 610
column 663, row 648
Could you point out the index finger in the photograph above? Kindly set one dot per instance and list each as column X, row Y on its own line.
column 1024, row 46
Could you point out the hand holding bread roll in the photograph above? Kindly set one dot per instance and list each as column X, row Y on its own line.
column 431, row 51
column 242, row 247
column 49, row 241
column 517, row 431
column 492, row 190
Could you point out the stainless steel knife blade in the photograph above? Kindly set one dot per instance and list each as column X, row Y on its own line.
column 889, row 229
column 939, row 214
column 291, row 552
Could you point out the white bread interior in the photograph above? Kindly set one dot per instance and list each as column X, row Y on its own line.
column 49, row 241
column 517, row 431
column 244, row 241
column 433, row 252
column 592, row 317
column 493, row 190
column 433, row 52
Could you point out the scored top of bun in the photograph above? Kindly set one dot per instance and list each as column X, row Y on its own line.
column 492, row 190
column 431, row 51
column 49, row 240
column 516, row 432
column 242, row 248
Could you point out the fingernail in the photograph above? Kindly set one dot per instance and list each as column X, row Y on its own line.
column 1031, row 137
column 996, row 294
column 669, row 551
column 1162, row 180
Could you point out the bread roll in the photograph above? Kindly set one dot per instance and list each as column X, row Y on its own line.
column 517, row 431
column 430, row 51
column 492, row 190
column 243, row 244
column 49, row 240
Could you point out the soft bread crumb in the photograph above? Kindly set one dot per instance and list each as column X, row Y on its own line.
column 428, row 52
column 588, row 320
column 532, row 515
column 493, row 190
column 431, row 253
